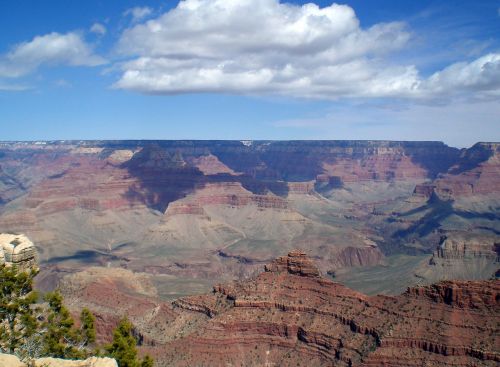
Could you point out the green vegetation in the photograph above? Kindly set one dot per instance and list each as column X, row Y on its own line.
column 123, row 347
column 17, row 315
column 32, row 330
column 61, row 338
column 88, row 329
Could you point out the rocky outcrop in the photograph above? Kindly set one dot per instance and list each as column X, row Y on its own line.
column 17, row 251
column 462, row 255
column 383, row 165
column 8, row 360
column 297, row 262
column 289, row 315
column 461, row 246
column 461, row 294
column 476, row 173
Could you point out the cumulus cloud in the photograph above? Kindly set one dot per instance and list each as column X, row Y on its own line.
column 138, row 13
column 50, row 49
column 480, row 76
column 98, row 28
column 250, row 46
column 265, row 46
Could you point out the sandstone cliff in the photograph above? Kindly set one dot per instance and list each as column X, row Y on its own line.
column 289, row 315
column 214, row 210
column 476, row 173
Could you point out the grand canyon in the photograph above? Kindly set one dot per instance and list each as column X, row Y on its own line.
column 348, row 253
column 250, row 183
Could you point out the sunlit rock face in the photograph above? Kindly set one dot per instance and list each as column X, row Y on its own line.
column 291, row 316
column 219, row 210
column 8, row 360
column 17, row 251
column 477, row 172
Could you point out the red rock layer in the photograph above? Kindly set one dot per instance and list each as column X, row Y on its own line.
column 471, row 176
column 210, row 165
column 295, row 263
column 91, row 184
column 228, row 194
column 290, row 316
column 383, row 164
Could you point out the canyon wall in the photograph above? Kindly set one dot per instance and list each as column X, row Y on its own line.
column 220, row 209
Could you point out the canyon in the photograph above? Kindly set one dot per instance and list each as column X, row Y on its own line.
column 191, row 213
column 291, row 315
column 400, row 259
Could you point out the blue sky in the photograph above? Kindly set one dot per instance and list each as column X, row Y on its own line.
column 241, row 69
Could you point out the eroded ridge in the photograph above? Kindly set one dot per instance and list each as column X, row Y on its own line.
column 289, row 315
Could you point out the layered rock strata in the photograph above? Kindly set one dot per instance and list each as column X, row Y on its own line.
column 476, row 173
column 17, row 251
column 291, row 316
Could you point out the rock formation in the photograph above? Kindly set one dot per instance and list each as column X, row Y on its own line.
column 7, row 360
column 462, row 255
column 16, row 250
column 296, row 262
column 476, row 173
column 291, row 316
column 215, row 210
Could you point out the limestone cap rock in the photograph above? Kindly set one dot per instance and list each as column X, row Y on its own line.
column 17, row 250
column 9, row 360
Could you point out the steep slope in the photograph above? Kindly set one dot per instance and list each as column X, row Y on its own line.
column 220, row 209
column 476, row 173
column 291, row 316
column 9, row 187
column 461, row 255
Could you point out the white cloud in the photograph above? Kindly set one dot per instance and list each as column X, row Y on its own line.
column 8, row 87
column 51, row 49
column 250, row 46
column 264, row 46
column 138, row 13
column 481, row 76
column 98, row 28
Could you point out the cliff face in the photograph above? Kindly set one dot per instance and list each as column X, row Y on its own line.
column 477, row 172
column 289, row 315
column 220, row 209
column 462, row 255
